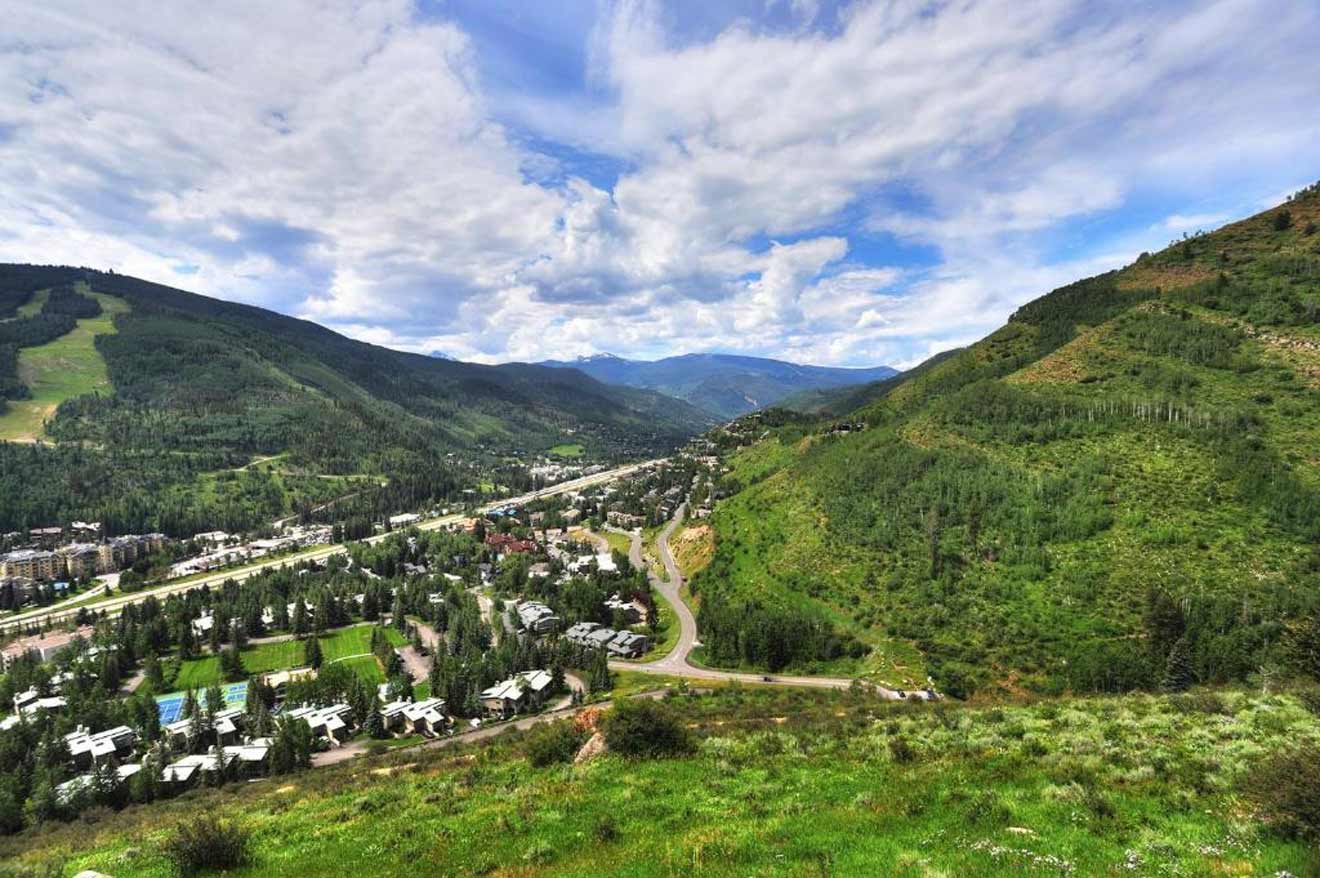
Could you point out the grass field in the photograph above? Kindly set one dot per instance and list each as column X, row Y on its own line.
column 783, row 783
column 67, row 367
column 571, row 450
column 351, row 645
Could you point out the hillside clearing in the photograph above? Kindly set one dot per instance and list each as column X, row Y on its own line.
column 67, row 367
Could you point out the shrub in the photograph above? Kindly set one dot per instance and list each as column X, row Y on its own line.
column 1286, row 787
column 640, row 728
column 553, row 742
column 208, row 844
column 901, row 751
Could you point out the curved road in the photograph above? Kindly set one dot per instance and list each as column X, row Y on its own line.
column 46, row 615
column 676, row 662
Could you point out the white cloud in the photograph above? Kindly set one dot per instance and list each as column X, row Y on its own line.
column 361, row 177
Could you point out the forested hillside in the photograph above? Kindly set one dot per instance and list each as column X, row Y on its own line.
column 201, row 387
column 1118, row 489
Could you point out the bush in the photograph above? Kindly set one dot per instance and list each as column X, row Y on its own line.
column 208, row 844
column 1286, row 787
column 901, row 751
column 640, row 728
column 553, row 742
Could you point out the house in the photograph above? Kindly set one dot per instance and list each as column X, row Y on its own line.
column 524, row 691
column 190, row 768
column 426, row 717
column 539, row 570
column 578, row 633
column 252, row 758
column 30, row 703
column 631, row 610
column 213, row 538
column 624, row 520
column 71, row 788
column 571, row 516
column 331, row 723
column 628, row 644
column 600, row 638
column 405, row 519
column 280, row 680
column 392, row 715
column 536, row 618
column 88, row 749
column 228, row 725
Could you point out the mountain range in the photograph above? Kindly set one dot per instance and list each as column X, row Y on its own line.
column 157, row 388
column 723, row 384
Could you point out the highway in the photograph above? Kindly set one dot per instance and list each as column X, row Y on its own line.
column 53, row 615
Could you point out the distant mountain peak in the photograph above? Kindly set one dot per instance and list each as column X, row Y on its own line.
column 441, row 355
column 602, row 357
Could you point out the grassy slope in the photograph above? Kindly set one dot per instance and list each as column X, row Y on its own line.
column 791, row 784
column 67, row 367
column 802, row 529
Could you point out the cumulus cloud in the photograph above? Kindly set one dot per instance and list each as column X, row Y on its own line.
column 767, row 180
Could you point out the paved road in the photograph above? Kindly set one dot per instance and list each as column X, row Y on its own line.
column 676, row 662
column 112, row 604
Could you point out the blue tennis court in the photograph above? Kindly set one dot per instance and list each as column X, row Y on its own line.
column 171, row 705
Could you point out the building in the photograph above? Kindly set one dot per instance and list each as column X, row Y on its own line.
column 43, row 646
column 624, row 520
column 81, row 560
column 188, row 769
column 579, row 633
column 331, row 723
column 405, row 519
column 631, row 610
column 628, row 644
column 15, row 591
column 88, row 749
column 426, row 717
column 71, row 788
column 32, row 564
column 536, row 618
column 525, row 691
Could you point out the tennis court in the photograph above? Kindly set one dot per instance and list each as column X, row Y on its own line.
column 171, row 705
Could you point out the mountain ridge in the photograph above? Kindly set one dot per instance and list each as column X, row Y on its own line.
column 727, row 385
column 203, row 385
column 1123, row 467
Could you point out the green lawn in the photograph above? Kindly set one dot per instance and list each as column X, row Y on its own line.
column 783, row 783
column 351, row 645
column 567, row 449
column 67, row 367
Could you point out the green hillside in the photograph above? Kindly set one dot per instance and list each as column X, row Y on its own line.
column 1127, row 470
column 781, row 783
column 169, row 388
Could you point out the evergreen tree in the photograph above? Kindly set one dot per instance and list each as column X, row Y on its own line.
column 600, row 679
column 312, row 652
column 1178, row 673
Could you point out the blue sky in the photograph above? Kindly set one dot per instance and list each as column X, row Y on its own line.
column 846, row 183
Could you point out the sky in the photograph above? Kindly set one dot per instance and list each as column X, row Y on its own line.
column 839, row 183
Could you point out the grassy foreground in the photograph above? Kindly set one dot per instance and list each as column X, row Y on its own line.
column 784, row 783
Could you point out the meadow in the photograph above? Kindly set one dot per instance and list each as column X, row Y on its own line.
column 65, row 368
column 351, row 645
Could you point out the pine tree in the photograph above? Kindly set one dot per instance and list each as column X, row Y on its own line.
column 375, row 724
column 601, row 680
column 312, row 652
column 1178, row 672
